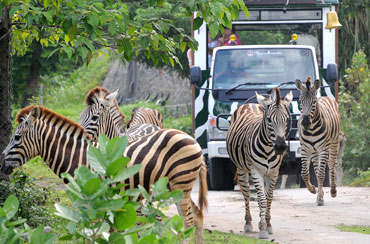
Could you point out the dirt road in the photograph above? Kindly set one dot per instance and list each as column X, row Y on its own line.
column 295, row 216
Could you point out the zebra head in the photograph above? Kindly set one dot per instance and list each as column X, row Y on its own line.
column 22, row 145
column 276, row 118
column 308, row 100
column 95, row 116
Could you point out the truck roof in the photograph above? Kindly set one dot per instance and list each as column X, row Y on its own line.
column 262, row 46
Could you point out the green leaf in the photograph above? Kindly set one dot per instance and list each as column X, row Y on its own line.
column 29, row 19
column 117, row 166
column 71, row 227
column 92, row 186
column 72, row 32
column 111, row 205
column 213, row 28
column 116, row 147
column 197, row 23
column 68, row 237
column 93, row 20
column 67, row 213
column 46, row 3
column 83, row 175
column 182, row 46
column 125, row 217
column 176, row 195
column 116, row 238
column 112, row 28
column 127, row 45
column 17, row 222
column 35, row 235
column 144, row 41
column 13, row 10
column 96, row 160
column 11, row 206
column 132, row 170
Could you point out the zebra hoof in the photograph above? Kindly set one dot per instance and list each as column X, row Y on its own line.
column 263, row 234
column 333, row 192
column 248, row 228
column 320, row 201
column 269, row 230
column 312, row 190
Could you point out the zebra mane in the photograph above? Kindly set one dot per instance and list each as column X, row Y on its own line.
column 308, row 83
column 278, row 98
column 96, row 93
column 45, row 111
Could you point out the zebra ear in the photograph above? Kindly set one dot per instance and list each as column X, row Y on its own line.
column 109, row 99
column 262, row 100
column 298, row 84
column 316, row 84
column 35, row 113
column 288, row 98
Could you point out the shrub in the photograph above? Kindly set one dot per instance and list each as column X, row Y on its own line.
column 355, row 114
column 32, row 198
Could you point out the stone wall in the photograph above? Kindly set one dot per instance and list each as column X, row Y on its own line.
column 137, row 82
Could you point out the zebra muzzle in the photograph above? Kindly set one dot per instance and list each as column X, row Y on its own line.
column 306, row 122
column 5, row 169
column 280, row 146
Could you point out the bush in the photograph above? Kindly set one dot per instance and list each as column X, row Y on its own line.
column 355, row 114
column 32, row 198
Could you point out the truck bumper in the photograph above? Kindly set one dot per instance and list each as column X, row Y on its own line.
column 217, row 149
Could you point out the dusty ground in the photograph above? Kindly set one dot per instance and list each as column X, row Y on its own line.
column 295, row 216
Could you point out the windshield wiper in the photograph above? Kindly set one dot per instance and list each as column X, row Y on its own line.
column 282, row 84
column 245, row 84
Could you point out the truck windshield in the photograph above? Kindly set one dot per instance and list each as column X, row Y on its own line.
column 269, row 66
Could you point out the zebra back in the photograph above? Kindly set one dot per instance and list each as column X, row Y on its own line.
column 142, row 115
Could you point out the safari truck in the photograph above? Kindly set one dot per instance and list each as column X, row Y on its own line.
column 281, row 41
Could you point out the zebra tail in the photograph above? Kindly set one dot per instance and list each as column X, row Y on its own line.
column 203, row 188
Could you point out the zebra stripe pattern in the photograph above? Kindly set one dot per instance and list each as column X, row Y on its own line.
column 142, row 115
column 102, row 114
column 256, row 145
column 319, row 132
column 63, row 146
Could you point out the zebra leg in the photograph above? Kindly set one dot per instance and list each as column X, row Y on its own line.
column 338, row 165
column 305, row 172
column 198, row 222
column 270, row 186
column 333, row 153
column 259, row 184
column 320, row 175
column 244, row 185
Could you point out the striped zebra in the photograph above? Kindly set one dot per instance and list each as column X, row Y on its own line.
column 142, row 115
column 102, row 116
column 319, row 132
column 256, row 145
column 63, row 145
column 101, row 101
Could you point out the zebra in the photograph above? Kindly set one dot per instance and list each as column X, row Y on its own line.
column 256, row 144
column 319, row 132
column 102, row 116
column 63, row 145
column 142, row 115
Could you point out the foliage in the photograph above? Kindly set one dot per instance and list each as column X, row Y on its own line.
column 362, row 179
column 10, row 233
column 32, row 198
column 354, row 101
column 354, row 35
column 354, row 228
column 102, row 212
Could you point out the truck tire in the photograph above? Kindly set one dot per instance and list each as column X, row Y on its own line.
column 313, row 179
column 221, row 177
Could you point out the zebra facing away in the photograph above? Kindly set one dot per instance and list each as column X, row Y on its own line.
column 319, row 134
column 142, row 115
column 256, row 145
column 63, row 145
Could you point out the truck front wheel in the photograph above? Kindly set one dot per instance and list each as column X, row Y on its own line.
column 221, row 174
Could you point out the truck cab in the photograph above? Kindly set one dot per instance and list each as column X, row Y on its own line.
column 284, row 43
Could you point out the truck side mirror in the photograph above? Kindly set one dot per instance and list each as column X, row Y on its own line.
column 331, row 73
column 195, row 76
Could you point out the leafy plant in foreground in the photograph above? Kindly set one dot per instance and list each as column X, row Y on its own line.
column 102, row 212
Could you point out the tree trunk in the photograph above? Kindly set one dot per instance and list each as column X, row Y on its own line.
column 34, row 74
column 5, row 86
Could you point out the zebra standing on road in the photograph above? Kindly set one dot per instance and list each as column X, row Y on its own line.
column 63, row 146
column 319, row 132
column 256, row 145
